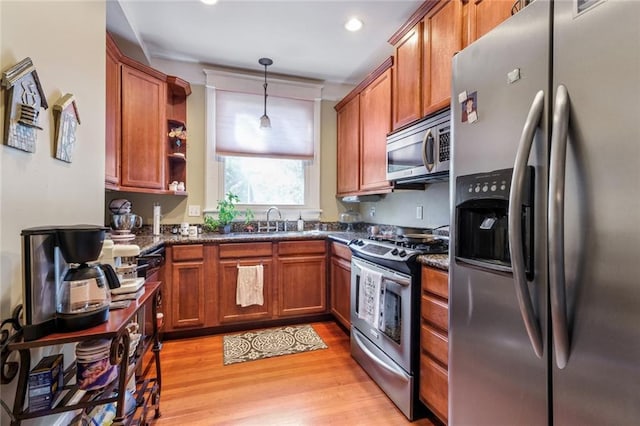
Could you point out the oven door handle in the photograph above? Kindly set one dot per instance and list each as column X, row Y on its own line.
column 390, row 368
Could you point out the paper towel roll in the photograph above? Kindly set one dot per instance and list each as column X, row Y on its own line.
column 156, row 219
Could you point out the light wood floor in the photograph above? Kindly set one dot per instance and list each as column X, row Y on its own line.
column 323, row 387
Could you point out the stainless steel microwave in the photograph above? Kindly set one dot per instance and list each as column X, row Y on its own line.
column 420, row 152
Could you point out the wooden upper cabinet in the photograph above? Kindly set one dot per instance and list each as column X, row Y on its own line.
column 144, row 98
column 375, row 123
column 484, row 15
column 112, row 118
column 407, row 105
column 442, row 32
column 364, row 119
column 348, row 150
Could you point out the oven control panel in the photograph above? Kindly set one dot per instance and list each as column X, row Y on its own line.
column 383, row 250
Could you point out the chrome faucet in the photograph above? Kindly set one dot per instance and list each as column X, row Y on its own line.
column 276, row 222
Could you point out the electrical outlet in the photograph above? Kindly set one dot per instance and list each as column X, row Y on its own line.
column 419, row 212
column 194, row 210
column 372, row 211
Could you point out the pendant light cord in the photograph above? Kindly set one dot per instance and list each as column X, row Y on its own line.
column 265, row 89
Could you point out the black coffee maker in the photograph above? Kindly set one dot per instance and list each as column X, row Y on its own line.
column 64, row 289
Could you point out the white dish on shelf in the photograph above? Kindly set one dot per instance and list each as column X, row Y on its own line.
column 128, row 285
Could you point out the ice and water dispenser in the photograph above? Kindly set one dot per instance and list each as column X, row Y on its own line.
column 482, row 204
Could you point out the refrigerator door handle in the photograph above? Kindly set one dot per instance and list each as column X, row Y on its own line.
column 558, row 156
column 515, row 222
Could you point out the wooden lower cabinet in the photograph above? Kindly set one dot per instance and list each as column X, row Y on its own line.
column 201, row 283
column 434, row 386
column 233, row 255
column 302, row 277
column 340, row 283
column 230, row 311
column 189, row 292
column 434, row 341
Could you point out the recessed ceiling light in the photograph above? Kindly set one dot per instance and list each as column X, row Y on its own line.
column 209, row 1
column 353, row 24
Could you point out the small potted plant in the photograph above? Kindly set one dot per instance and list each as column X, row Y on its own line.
column 227, row 212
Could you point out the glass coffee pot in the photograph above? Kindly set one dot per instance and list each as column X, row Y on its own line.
column 83, row 295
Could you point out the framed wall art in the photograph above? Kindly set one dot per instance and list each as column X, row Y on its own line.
column 67, row 119
column 24, row 100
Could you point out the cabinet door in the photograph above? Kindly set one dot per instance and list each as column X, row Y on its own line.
column 407, row 78
column 375, row 122
column 434, row 386
column 484, row 15
column 231, row 312
column 112, row 119
column 302, row 285
column 144, row 100
column 442, row 39
column 348, row 149
column 187, row 294
column 341, row 290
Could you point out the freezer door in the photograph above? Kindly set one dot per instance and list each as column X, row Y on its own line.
column 597, row 58
column 495, row 375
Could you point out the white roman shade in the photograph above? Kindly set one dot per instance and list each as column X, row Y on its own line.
column 238, row 131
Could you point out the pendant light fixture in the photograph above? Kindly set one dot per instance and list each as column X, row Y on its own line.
column 265, row 122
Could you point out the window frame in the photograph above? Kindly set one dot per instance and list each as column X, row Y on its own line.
column 214, row 165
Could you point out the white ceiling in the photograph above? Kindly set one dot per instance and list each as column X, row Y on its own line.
column 305, row 38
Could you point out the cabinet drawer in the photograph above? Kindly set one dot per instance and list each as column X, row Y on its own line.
column 434, row 386
column 188, row 252
column 301, row 247
column 434, row 343
column 436, row 282
column 245, row 250
column 341, row 250
column 435, row 311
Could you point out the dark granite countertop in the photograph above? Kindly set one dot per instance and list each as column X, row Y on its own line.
column 438, row 261
column 149, row 243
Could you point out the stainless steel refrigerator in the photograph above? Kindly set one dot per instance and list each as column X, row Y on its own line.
column 545, row 228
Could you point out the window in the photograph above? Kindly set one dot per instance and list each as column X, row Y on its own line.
column 264, row 167
column 266, row 181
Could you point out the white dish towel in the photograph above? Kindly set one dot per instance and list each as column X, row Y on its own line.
column 369, row 296
column 249, row 286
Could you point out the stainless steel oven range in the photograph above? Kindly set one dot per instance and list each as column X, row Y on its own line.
column 385, row 305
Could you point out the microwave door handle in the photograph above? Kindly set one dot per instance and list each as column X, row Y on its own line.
column 557, row 164
column 427, row 148
column 515, row 222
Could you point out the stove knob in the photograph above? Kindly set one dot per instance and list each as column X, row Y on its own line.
column 394, row 251
column 360, row 243
column 402, row 253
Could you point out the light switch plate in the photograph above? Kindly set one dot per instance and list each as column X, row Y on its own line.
column 419, row 212
column 194, row 210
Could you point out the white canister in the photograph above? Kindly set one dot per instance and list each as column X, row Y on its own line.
column 193, row 231
column 184, row 229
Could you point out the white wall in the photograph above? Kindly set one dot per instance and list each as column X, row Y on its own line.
column 399, row 208
column 66, row 41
